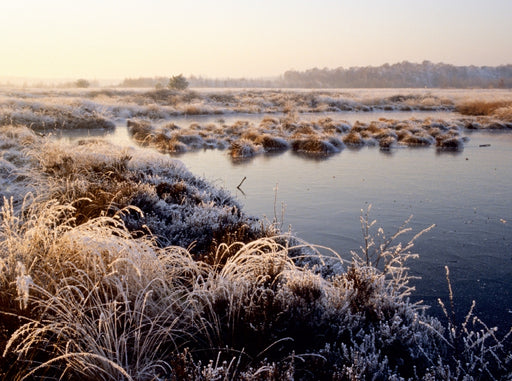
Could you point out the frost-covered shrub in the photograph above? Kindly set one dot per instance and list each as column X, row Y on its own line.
column 140, row 130
column 191, row 140
column 418, row 140
column 51, row 117
column 450, row 142
column 272, row 143
column 15, row 164
column 243, row 149
column 315, row 146
column 353, row 138
column 386, row 142
column 102, row 179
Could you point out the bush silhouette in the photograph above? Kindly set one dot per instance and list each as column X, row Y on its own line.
column 178, row 82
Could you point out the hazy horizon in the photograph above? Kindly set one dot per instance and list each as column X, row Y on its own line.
column 70, row 80
column 101, row 40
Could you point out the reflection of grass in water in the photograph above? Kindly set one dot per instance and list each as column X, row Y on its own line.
column 102, row 298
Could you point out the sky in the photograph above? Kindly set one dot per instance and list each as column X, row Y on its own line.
column 100, row 39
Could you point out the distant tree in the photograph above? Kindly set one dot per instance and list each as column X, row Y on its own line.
column 178, row 82
column 82, row 83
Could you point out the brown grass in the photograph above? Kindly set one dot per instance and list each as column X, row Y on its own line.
column 504, row 113
column 353, row 138
column 313, row 146
column 193, row 110
column 418, row 140
column 272, row 143
column 481, row 108
column 243, row 148
column 140, row 130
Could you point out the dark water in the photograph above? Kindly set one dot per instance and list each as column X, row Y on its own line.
column 467, row 194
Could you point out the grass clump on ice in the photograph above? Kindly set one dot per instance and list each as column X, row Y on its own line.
column 92, row 293
column 316, row 146
column 313, row 138
column 243, row 149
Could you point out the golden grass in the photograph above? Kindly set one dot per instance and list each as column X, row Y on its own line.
column 243, row 148
column 314, row 146
column 193, row 110
column 272, row 143
column 504, row 113
column 481, row 108
column 353, row 138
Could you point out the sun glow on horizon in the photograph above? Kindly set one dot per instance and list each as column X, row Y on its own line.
column 227, row 38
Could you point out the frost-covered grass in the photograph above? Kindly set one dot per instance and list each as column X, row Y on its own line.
column 50, row 114
column 85, row 108
column 176, row 206
column 122, row 265
column 51, row 110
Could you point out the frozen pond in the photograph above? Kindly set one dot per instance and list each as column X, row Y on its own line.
column 467, row 194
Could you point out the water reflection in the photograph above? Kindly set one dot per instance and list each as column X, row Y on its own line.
column 386, row 151
column 314, row 156
column 449, row 151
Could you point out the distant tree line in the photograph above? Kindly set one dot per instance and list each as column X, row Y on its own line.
column 403, row 74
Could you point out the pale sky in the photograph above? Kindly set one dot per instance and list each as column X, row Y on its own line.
column 244, row 38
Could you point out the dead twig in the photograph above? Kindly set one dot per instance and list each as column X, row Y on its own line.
column 241, row 182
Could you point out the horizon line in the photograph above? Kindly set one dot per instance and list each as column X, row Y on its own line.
column 203, row 76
